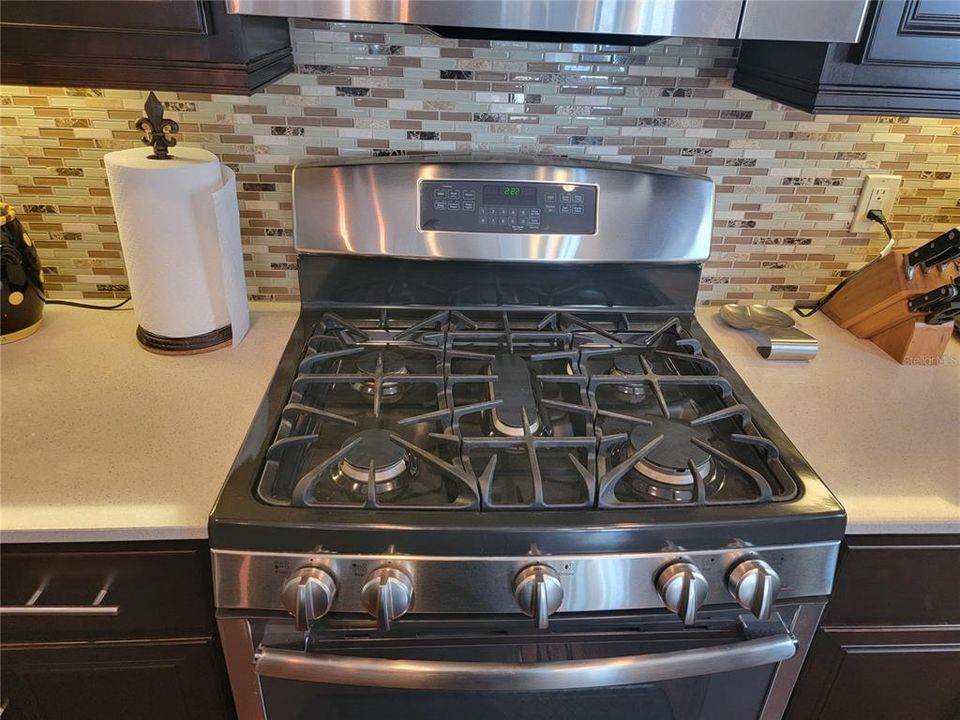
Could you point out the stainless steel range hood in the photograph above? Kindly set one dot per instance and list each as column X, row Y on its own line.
column 813, row 20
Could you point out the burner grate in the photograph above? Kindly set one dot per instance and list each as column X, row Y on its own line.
column 500, row 411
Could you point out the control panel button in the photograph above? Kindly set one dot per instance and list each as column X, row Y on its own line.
column 683, row 588
column 538, row 592
column 754, row 584
column 507, row 207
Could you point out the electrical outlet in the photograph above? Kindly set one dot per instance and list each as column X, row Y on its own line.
column 879, row 192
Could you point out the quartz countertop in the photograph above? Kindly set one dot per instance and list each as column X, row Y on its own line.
column 884, row 437
column 102, row 440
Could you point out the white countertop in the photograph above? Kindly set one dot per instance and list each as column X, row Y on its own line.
column 884, row 437
column 102, row 440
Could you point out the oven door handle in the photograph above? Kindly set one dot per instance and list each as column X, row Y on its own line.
column 561, row 675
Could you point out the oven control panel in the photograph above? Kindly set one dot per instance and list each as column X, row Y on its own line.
column 485, row 206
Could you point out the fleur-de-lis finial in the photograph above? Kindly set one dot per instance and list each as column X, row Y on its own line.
column 157, row 130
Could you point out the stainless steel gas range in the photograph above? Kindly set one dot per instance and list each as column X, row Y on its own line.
column 501, row 471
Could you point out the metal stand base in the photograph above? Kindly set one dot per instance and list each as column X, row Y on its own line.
column 207, row 342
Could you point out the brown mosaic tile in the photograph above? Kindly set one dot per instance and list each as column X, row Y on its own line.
column 785, row 180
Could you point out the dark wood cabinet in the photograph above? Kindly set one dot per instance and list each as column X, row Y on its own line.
column 889, row 644
column 157, row 657
column 180, row 45
column 908, row 63
column 146, row 680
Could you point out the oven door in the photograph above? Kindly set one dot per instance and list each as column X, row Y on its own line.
column 472, row 669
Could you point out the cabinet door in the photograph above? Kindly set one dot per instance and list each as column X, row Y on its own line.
column 180, row 45
column 884, row 674
column 177, row 17
column 155, row 680
column 915, row 32
column 907, row 64
column 137, row 577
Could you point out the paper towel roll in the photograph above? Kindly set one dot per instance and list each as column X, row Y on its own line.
column 180, row 232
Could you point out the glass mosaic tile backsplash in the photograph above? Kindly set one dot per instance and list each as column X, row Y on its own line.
column 787, row 182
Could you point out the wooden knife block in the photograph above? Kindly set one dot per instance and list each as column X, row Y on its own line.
column 863, row 305
column 913, row 342
column 874, row 305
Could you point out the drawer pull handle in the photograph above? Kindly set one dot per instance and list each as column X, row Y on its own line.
column 30, row 608
column 64, row 610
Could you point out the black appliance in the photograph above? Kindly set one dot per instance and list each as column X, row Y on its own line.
column 21, row 280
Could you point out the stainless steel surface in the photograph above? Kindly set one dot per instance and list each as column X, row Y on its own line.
column 785, row 344
column 386, row 595
column 755, row 585
column 241, row 653
column 59, row 610
column 774, row 331
column 745, row 317
column 813, row 20
column 253, row 580
column 527, row 677
column 308, row 595
column 683, row 589
column 683, row 18
column 370, row 208
column 805, row 619
column 238, row 648
column 538, row 592
column 803, row 20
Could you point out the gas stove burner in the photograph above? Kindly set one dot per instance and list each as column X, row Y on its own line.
column 514, row 388
column 377, row 363
column 669, row 462
column 629, row 365
column 390, row 462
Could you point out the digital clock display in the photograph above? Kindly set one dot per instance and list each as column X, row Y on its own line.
column 509, row 195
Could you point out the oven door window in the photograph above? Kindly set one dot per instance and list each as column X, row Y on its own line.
column 294, row 689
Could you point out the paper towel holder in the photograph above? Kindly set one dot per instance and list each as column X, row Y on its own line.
column 157, row 130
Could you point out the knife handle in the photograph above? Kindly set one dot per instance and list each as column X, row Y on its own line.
column 942, row 294
column 942, row 249
column 943, row 314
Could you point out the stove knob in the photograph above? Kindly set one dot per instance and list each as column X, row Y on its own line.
column 538, row 592
column 308, row 595
column 754, row 584
column 683, row 588
column 387, row 594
